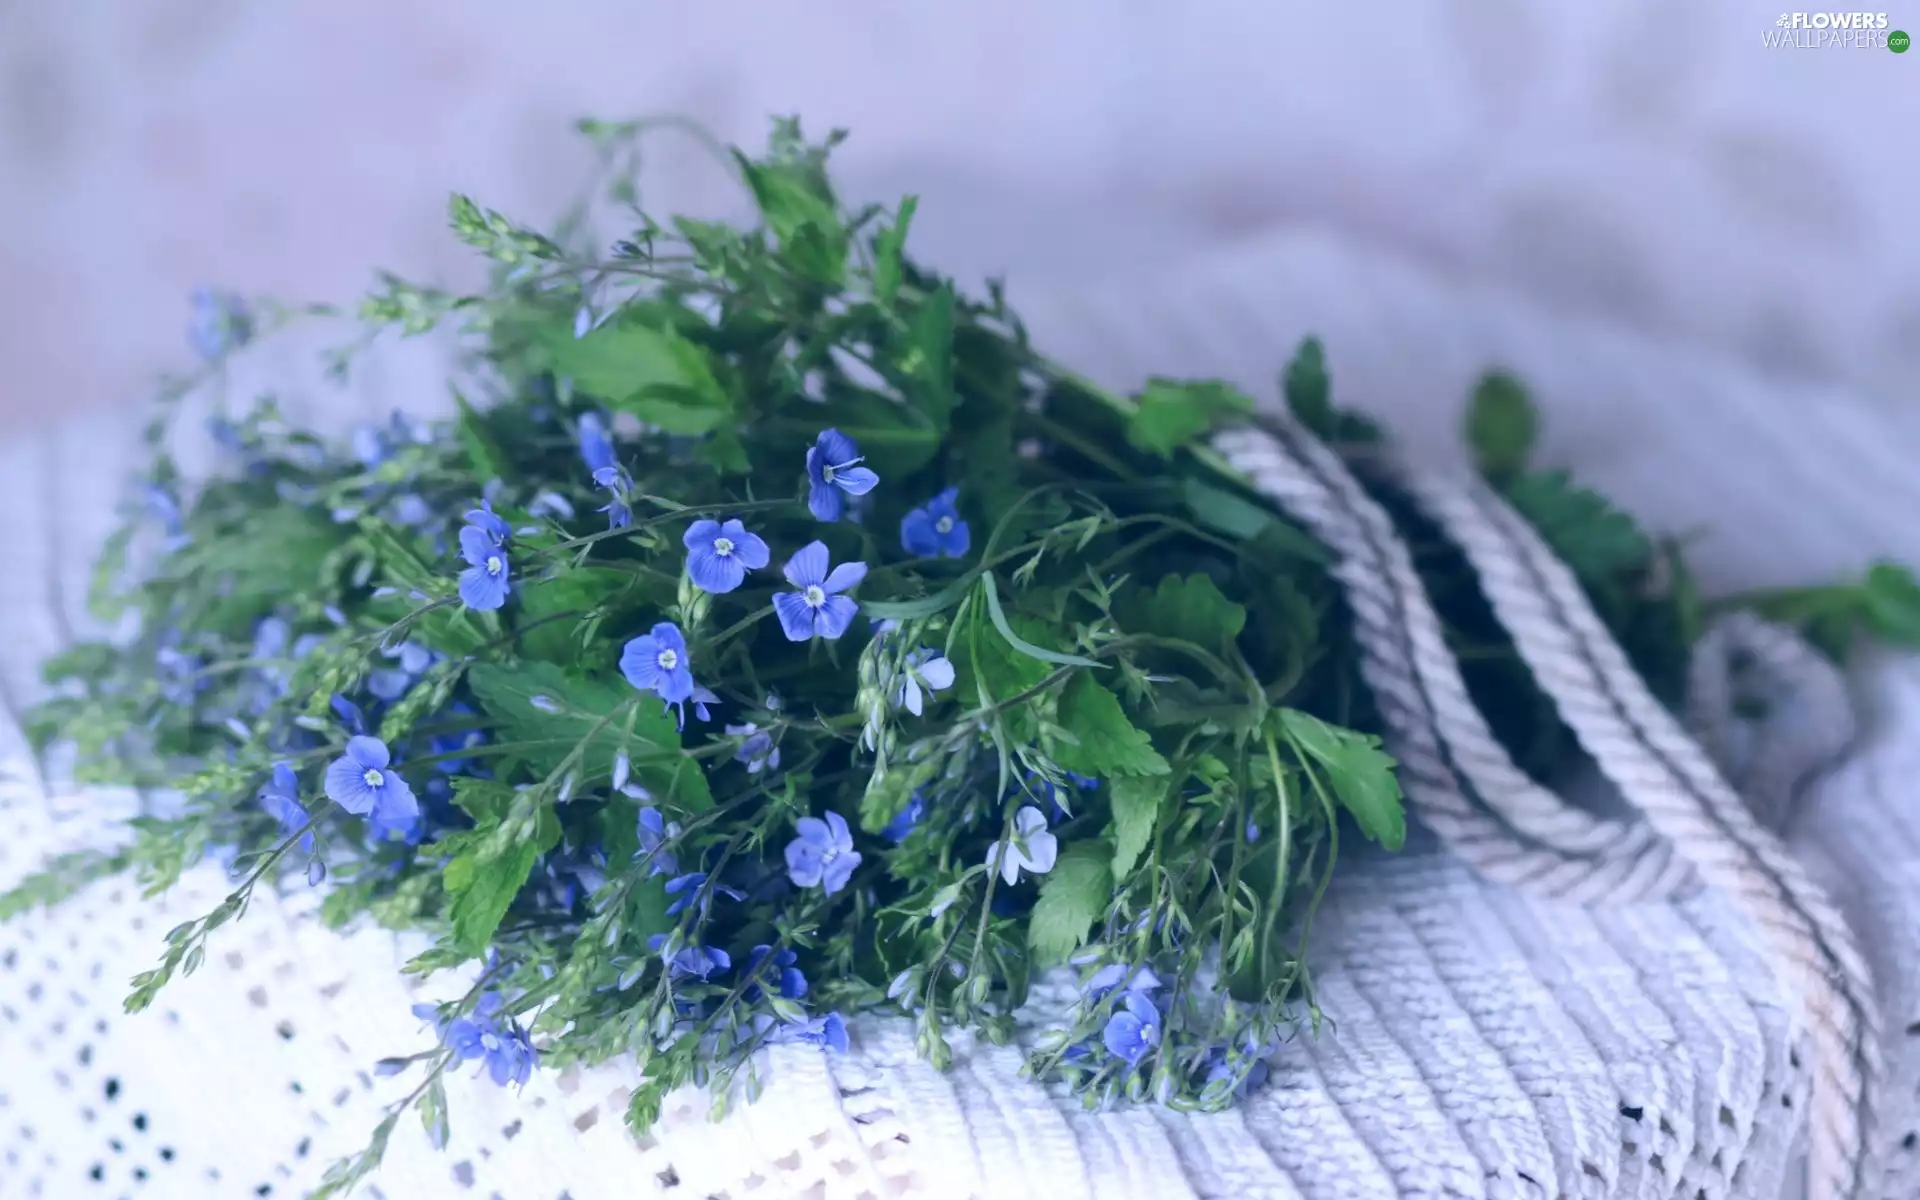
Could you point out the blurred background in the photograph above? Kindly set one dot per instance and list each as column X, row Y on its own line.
column 1212, row 177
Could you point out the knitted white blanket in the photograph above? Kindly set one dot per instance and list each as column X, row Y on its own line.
column 1482, row 1042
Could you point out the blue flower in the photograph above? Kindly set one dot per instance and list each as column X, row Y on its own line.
column 834, row 473
column 692, row 891
column 281, row 798
column 822, row 854
column 178, row 674
column 489, row 522
column 792, row 984
column 220, row 324
column 361, row 782
column 1033, row 848
column 1132, row 1033
column 935, row 530
column 161, row 504
column 1221, row 1069
column 370, row 445
column 392, row 683
column 449, row 743
column 596, row 448
column 925, row 670
column 719, row 556
column 551, row 504
column 817, row 609
column 906, row 820
column 658, row 662
column 692, row 962
column 508, row 1052
column 757, row 751
column 657, row 835
column 829, row 1032
column 618, row 514
column 484, row 584
column 1109, row 977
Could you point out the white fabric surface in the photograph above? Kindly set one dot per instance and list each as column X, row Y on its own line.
column 1482, row 1044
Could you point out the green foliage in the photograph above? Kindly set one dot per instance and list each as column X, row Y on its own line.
column 1144, row 653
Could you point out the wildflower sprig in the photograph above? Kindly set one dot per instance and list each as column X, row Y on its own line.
column 776, row 636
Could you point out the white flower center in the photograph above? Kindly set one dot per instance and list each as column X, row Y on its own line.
column 826, row 472
column 493, row 564
column 815, row 596
column 943, row 525
column 668, row 659
column 374, row 778
column 723, row 546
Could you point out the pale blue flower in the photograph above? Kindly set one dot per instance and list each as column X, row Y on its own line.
column 834, row 473
column 484, row 584
column 220, row 324
column 619, row 514
column 362, row 782
column 791, row 984
column 1033, row 848
column 657, row 835
column 817, row 609
column 925, row 670
column 692, row 962
column 1111, row 976
column 757, row 751
column 719, row 556
column 1133, row 1032
column 658, row 662
column 935, row 529
column 822, row 853
column 829, row 1032
column 281, row 798
column 906, row 820
column 691, row 891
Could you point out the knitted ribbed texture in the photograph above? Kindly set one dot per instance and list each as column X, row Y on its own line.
column 1481, row 1041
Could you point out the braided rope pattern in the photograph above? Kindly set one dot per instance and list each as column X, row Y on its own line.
column 1458, row 778
column 1668, row 777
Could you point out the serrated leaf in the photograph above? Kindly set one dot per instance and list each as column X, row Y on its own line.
column 1073, row 896
column 544, row 739
column 932, row 359
column 650, row 371
column 482, row 889
column 1188, row 607
column 1170, row 414
column 1502, row 425
column 1136, row 804
column 1596, row 540
column 542, row 601
column 1108, row 745
column 1356, row 769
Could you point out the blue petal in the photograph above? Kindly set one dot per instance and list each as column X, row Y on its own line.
column 808, row 566
column 639, row 662
column 845, row 577
column 346, row 785
column 479, row 590
column 834, row 616
column 700, row 533
column 394, row 802
column 835, row 447
column 476, row 544
column 750, row 548
column 825, row 501
column 917, row 535
column 855, row 481
column 796, row 616
column 713, row 572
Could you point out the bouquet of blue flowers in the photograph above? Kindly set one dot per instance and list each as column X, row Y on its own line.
column 775, row 636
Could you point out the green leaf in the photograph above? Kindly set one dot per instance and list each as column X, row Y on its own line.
column 649, row 371
column 1136, row 804
column 999, row 618
column 1308, row 389
column 1073, row 896
column 595, row 713
column 1502, row 425
column 889, row 252
column 1891, row 599
column 1191, row 608
column 931, row 359
column 1109, row 746
column 482, row 889
column 1171, row 414
column 798, row 208
column 485, row 800
column 484, row 454
column 1595, row 539
column 544, row 603
column 1359, row 773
